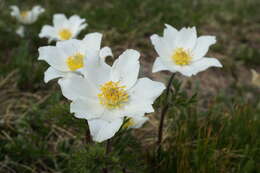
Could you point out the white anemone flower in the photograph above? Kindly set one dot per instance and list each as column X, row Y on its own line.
column 105, row 95
column 182, row 51
column 63, row 28
column 26, row 16
column 20, row 31
column 69, row 56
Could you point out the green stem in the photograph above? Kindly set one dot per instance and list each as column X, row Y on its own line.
column 108, row 150
column 88, row 138
column 164, row 111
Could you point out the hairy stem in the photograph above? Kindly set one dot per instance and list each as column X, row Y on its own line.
column 164, row 111
column 88, row 138
column 108, row 150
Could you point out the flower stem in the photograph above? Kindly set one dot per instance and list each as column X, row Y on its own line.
column 108, row 146
column 88, row 138
column 164, row 111
column 108, row 150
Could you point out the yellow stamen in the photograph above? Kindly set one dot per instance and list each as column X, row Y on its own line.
column 181, row 57
column 24, row 14
column 129, row 123
column 75, row 62
column 113, row 95
column 65, row 34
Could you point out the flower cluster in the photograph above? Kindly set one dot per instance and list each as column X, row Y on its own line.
column 111, row 97
column 107, row 95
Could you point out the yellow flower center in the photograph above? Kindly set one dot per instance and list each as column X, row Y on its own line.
column 24, row 14
column 181, row 57
column 129, row 123
column 75, row 62
column 113, row 95
column 65, row 34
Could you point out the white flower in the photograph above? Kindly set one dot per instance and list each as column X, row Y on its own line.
column 20, row 31
column 27, row 16
column 105, row 95
column 182, row 51
column 63, row 28
column 69, row 56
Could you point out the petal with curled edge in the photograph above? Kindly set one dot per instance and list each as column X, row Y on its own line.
column 102, row 130
column 126, row 68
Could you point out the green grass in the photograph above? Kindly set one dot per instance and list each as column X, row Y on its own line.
column 218, row 131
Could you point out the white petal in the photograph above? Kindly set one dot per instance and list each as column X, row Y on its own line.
column 185, row 70
column 52, row 73
column 161, row 46
column 198, row 66
column 137, row 107
column 142, row 96
column 146, row 89
column 186, row 38
column 15, row 12
column 154, row 38
column 170, row 34
column 112, row 114
column 126, row 68
column 159, row 65
column 105, row 52
column 36, row 11
column 58, row 20
column 53, row 56
column 170, row 31
column 204, row 64
column 202, row 46
column 70, row 47
column 86, row 109
column 96, row 70
column 102, row 130
column 77, row 87
column 93, row 41
column 20, row 31
column 77, row 24
column 48, row 32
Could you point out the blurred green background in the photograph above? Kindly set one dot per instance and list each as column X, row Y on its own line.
column 218, row 132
